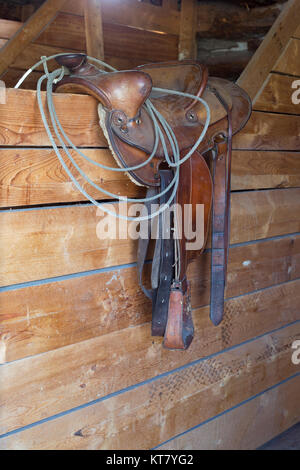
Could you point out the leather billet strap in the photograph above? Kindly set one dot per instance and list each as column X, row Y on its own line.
column 162, row 264
column 218, row 248
column 221, row 170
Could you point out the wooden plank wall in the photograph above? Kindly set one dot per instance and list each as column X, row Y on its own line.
column 134, row 33
column 79, row 369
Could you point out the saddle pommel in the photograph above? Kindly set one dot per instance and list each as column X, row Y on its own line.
column 123, row 91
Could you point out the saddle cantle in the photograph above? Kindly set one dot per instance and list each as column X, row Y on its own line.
column 203, row 179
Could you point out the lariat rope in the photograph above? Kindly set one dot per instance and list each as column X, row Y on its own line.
column 160, row 125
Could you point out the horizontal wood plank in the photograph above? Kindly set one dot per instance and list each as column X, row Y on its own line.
column 264, row 214
column 36, row 176
column 289, row 62
column 67, row 31
column 21, row 123
column 44, row 317
column 134, row 13
column 248, row 426
column 63, row 240
column 254, row 169
column 8, row 28
column 276, row 95
column 144, row 416
column 78, row 114
column 267, row 131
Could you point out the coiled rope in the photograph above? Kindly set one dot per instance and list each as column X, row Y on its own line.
column 160, row 125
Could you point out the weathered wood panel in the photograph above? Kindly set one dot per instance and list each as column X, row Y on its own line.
column 40, row 318
column 267, row 131
column 289, row 62
column 59, row 241
column 249, row 425
column 144, row 416
column 276, row 95
column 36, row 176
column 262, row 170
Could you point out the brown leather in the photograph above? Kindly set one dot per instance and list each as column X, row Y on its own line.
column 180, row 329
column 131, row 134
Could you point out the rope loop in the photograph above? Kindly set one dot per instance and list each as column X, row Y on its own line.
column 162, row 131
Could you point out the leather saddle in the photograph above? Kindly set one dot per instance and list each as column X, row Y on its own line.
column 204, row 178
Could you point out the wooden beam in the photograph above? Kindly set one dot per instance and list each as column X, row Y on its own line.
column 263, row 61
column 93, row 29
column 187, row 47
column 28, row 32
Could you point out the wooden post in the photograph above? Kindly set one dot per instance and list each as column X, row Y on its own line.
column 93, row 29
column 187, row 48
column 28, row 32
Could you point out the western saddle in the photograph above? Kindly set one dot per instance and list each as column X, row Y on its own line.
column 204, row 178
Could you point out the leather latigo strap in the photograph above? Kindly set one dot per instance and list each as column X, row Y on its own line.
column 162, row 264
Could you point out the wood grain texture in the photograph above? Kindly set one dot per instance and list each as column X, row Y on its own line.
column 187, row 47
column 28, row 32
column 267, row 131
column 63, row 240
column 289, row 62
column 267, row 54
column 93, row 28
column 36, row 176
column 67, row 31
column 44, row 317
column 21, row 123
column 248, row 426
column 254, row 169
column 264, row 214
column 276, row 95
column 297, row 33
column 8, row 28
column 146, row 415
column 134, row 13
